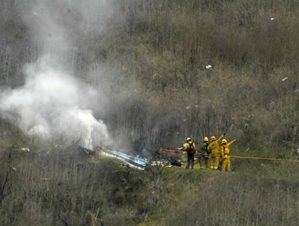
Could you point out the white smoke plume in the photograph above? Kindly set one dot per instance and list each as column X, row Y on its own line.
column 53, row 103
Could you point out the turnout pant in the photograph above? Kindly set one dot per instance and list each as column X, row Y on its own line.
column 226, row 164
column 203, row 160
column 190, row 160
column 215, row 162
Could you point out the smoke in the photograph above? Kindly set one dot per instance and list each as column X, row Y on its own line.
column 57, row 25
column 52, row 103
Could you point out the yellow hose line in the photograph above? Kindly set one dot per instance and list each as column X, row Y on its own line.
column 242, row 157
column 264, row 158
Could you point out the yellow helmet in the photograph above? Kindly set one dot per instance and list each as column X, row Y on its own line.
column 224, row 141
column 206, row 139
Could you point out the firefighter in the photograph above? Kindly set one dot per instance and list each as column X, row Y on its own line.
column 204, row 153
column 189, row 147
column 225, row 153
column 215, row 152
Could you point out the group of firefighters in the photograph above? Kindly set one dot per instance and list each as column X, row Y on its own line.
column 214, row 153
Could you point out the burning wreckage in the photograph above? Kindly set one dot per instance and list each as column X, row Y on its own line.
column 164, row 157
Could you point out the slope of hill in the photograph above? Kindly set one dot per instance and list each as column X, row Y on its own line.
column 163, row 70
column 150, row 64
column 54, row 186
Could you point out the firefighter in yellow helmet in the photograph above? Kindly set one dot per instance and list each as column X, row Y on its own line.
column 189, row 147
column 215, row 152
column 225, row 153
column 204, row 153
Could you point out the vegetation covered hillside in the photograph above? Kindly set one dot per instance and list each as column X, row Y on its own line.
column 150, row 61
column 55, row 187
column 146, row 74
column 251, row 45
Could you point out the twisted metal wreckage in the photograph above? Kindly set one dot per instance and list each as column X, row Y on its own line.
column 171, row 157
column 166, row 157
column 139, row 162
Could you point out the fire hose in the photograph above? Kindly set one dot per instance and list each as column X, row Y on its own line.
column 242, row 157
column 141, row 163
column 264, row 158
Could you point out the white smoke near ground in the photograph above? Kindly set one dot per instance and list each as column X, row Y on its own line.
column 49, row 105
column 52, row 103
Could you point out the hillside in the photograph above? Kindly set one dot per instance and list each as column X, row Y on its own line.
column 60, row 188
column 148, row 61
column 136, row 76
